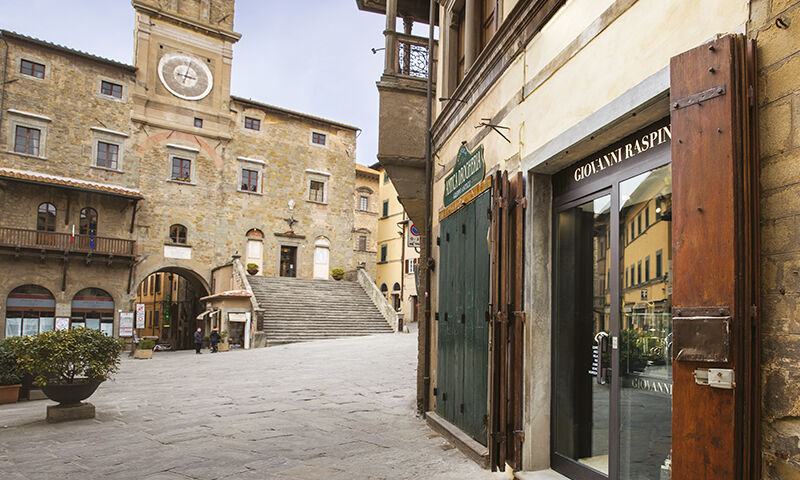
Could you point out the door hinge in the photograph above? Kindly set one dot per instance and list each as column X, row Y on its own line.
column 463, row 229
column 444, row 396
column 435, row 392
column 436, row 316
column 461, row 408
column 447, row 237
column 487, row 316
column 698, row 98
column 446, row 316
column 438, row 241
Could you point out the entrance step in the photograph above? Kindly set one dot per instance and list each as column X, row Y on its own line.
column 303, row 310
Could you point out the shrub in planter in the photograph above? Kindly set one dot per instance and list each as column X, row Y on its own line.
column 337, row 273
column 70, row 364
column 147, row 344
column 10, row 374
column 144, row 349
column 252, row 268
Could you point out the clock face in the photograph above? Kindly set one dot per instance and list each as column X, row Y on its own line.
column 185, row 76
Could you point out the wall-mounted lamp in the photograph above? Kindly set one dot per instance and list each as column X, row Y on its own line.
column 376, row 50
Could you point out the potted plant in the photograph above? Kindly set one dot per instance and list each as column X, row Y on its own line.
column 337, row 273
column 144, row 349
column 223, row 343
column 71, row 364
column 10, row 374
column 252, row 268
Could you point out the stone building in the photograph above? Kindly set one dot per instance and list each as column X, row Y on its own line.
column 110, row 173
column 398, row 252
column 365, row 228
column 610, row 207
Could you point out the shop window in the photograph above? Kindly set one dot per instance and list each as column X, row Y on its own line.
column 26, row 140
column 46, row 218
column 93, row 308
column 111, row 89
column 30, row 309
column 33, row 69
column 177, row 234
column 181, row 170
column 107, row 155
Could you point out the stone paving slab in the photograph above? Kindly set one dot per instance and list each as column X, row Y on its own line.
column 331, row 409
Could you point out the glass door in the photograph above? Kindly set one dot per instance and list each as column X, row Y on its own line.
column 612, row 329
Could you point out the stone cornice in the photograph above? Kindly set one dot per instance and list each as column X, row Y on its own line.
column 185, row 22
column 516, row 31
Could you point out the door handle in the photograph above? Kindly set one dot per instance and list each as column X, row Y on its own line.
column 602, row 347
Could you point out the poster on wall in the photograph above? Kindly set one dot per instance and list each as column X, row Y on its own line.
column 125, row 324
column 62, row 323
column 140, row 315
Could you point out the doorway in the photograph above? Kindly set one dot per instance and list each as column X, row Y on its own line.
column 288, row 267
column 612, row 323
column 322, row 256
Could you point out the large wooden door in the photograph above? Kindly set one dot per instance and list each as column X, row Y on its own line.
column 463, row 342
column 714, row 155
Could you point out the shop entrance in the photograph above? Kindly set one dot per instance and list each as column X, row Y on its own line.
column 612, row 323
column 463, row 334
column 288, row 267
column 171, row 299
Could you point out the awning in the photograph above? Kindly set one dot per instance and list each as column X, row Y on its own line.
column 72, row 183
column 237, row 317
column 207, row 313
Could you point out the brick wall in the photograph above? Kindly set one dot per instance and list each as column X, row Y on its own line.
column 779, row 95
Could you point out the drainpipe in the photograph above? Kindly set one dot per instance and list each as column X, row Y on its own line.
column 426, row 346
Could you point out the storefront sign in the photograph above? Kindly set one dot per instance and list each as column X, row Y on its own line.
column 140, row 315
column 125, row 324
column 62, row 323
column 466, row 198
column 650, row 384
column 623, row 152
column 467, row 173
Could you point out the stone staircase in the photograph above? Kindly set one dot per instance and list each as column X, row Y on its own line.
column 300, row 310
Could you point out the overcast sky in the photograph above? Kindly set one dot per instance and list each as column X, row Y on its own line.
column 312, row 56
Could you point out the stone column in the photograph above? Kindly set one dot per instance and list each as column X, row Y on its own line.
column 390, row 65
column 472, row 32
column 408, row 25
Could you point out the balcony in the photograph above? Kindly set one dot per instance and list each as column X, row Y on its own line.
column 18, row 242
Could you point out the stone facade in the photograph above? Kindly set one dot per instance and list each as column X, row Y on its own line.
column 255, row 177
column 779, row 95
column 366, row 203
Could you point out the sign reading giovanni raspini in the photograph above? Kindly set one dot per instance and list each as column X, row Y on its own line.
column 467, row 173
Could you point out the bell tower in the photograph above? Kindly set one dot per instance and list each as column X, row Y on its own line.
column 183, row 50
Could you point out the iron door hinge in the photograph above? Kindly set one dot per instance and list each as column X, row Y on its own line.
column 698, row 98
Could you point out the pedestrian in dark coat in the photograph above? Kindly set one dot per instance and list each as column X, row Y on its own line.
column 198, row 340
column 214, row 339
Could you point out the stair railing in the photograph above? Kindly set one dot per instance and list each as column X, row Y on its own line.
column 393, row 318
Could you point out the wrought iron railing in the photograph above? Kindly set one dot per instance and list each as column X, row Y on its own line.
column 65, row 242
column 412, row 55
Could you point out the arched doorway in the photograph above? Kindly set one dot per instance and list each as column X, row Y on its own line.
column 93, row 308
column 322, row 255
column 171, row 300
column 30, row 309
column 254, row 253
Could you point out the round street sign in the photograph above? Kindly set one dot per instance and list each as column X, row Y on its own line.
column 414, row 230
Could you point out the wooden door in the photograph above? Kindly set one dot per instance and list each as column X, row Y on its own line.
column 715, row 262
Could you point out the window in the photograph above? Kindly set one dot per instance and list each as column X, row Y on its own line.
column 316, row 191
column 633, row 232
column 46, row 218
column 639, row 223
column 411, row 266
column 249, row 180
column 158, row 284
column 362, row 243
column 383, row 253
column 318, row 138
column 646, row 216
column 88, row 222
column 386, row 208
column 181, row 170
column 363, row 203
column 639, row 272
column 252, row 123
column 198, row 122
column 111, row 89
column 107, row 155
column 633, row 276
column 385, row 177
column 26, row 140
column 647, row 269
column 177, row 234
column 659, row 268
column 487, row 21
column 31, row 68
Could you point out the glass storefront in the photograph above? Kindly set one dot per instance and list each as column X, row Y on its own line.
column 30, row 310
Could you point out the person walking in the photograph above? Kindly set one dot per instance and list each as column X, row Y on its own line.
column 214, row 339
column 198, row 340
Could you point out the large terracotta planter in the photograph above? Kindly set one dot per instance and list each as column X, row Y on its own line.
column 71, row 393
column 143, row 353
column 9, row 393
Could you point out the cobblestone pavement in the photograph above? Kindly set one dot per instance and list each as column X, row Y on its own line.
column 332, row 409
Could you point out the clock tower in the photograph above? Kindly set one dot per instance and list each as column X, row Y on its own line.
column 183, row 52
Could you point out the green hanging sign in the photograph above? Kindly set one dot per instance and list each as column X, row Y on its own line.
column 467, row 173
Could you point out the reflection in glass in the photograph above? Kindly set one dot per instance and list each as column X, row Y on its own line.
column 46, row 324
column 13, row 326
column 645, row 336
column 583, row 319
column 30, row 325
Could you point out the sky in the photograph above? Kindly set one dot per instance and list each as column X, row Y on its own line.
column 312, row 56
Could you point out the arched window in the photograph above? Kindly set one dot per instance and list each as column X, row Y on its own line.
column 254, row 233
column 93, row 308
column 30, row 309
column 88, row 222
column 177, row 233
column 384, row 289
column 396, row 287
column 46, row 218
